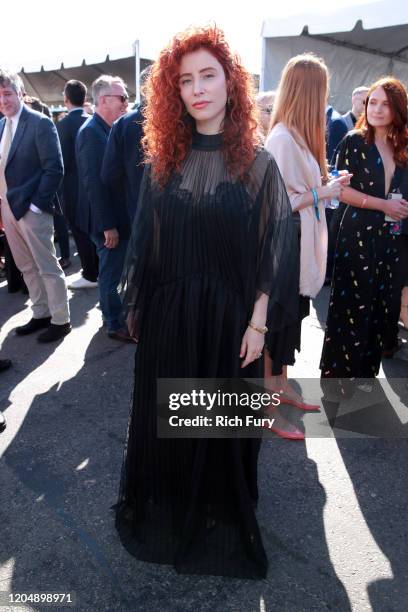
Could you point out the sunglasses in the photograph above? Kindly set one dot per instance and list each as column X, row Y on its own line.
column 123, row 99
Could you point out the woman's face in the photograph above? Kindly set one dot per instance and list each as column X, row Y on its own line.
column 203, row 89
column 379, row 114
column 265, row 111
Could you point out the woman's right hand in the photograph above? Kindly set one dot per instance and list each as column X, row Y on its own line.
column 396, row 208
column 333, row 189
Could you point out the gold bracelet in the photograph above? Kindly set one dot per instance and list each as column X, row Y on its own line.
column 260, row 330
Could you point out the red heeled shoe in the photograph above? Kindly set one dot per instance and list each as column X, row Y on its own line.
column 301, row 405
column 287, row 435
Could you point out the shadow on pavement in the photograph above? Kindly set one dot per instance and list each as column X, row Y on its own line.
column 301, row 574
column 381, row 490
column 59, row 478
column 383, row 499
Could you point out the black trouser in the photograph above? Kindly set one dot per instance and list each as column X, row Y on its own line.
column 14, row 277
column 61, row 229
column 87, row 253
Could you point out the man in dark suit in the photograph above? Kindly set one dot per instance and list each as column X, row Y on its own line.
column 31, row 170
column 102, row 211
column 67, row 128
column 122, row 163
column 336, row 129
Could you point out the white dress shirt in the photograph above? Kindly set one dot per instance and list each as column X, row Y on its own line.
column 14, row 124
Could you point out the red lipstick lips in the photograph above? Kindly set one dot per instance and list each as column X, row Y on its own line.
column 199, row 105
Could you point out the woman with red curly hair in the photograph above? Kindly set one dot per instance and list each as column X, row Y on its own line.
column 211, row 265
column 367, row 263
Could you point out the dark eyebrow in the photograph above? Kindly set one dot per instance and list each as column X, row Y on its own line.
column 200, row 71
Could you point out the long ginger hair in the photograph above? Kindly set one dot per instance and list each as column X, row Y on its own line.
column 397, row 131
column 301, row 104
column 167, row 126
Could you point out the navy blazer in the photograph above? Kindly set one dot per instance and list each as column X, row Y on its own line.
column 99, row 207
column 122, row 163
column 34, row 168
column 67, row 130
column 336, row 130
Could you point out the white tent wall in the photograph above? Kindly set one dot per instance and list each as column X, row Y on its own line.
column 358, row 43
column 348, row 68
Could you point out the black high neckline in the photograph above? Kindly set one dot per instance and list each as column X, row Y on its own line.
column 206, row 142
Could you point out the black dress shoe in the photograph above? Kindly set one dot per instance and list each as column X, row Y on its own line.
column 55, row 332
column 4, row 364
column 64, row 262
column 33, row 326
column 2, row 422
column 120, row 334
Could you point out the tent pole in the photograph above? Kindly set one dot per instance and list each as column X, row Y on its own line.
column 137, row 71
column 263, row 67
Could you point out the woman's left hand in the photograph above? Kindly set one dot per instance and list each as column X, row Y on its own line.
column 251, row 346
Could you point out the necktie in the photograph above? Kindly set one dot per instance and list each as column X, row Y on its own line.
column 7, row 143
column 6, row 149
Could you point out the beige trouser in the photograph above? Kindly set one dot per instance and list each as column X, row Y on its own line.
column 31, row 243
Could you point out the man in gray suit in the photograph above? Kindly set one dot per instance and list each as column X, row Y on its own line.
column 358, row 98
column 31, row 170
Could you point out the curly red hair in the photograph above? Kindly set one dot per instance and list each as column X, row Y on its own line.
column 398, row 132
column 167, row 126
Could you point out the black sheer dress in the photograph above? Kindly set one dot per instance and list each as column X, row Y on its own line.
column 201, row 249
column 366, row 271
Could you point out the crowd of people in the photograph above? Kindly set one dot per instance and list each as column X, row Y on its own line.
column 208, row 208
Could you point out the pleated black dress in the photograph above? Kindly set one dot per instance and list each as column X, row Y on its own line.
column 366, row 271
column 200, row 251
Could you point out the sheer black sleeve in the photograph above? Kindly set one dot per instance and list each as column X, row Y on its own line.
column 278, row 248
column 137, row 274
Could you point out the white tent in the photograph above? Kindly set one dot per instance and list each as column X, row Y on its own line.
column 359, row 44
column 45, row 80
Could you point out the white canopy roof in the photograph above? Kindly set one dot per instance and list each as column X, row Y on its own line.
column 70, row 57
column 380, row 14
column 358, row 43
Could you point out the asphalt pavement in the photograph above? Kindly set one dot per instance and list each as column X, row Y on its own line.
column 333, row 509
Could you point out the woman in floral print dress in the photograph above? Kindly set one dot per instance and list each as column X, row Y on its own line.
column 366, row 260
